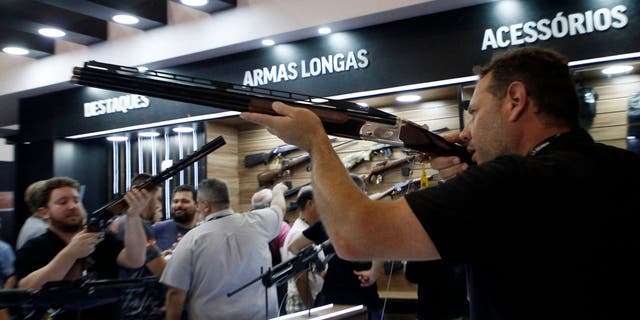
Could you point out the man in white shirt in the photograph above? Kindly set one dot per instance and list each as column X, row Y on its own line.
column 304, row 286
column 224, row 253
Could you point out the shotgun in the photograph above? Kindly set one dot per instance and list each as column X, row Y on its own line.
column 99, row 219
column 377, row 170
column 254, row 159
column 340, row 118
column 266, row 178
column 400, row 187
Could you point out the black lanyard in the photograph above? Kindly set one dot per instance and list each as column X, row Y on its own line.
column 214, row 217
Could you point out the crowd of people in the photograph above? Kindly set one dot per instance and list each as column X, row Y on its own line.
column 523, row 224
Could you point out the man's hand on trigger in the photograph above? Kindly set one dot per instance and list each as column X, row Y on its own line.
column 84, row 243
column 449, row 167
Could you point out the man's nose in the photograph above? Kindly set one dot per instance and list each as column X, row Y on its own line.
column 465, row 136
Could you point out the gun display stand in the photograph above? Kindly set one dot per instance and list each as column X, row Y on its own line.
column 330, row 311
column 67, row 295
column 281, row 273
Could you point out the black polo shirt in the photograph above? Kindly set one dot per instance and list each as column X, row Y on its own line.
column 341, row 285
column 550, row 235
column 39, row 251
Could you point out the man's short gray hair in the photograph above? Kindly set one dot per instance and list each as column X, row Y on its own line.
column 261, row 199
column 214, row 191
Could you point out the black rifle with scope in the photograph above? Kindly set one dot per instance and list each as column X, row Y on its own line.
column 340, row 118
column 303, row 260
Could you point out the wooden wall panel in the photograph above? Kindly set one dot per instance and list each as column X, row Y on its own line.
column 610, row 123
column 436, row 114
column 223, row 163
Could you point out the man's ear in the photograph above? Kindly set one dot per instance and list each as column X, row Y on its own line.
column 517, row 99
column 43, row 213
column 207, row 207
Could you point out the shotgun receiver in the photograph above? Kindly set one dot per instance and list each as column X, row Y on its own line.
column 340, row 118
column 98, row 219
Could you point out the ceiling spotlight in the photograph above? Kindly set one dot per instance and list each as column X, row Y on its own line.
column 268, row 42
column 617, row 69
column 182, row 129
column 324, row 30
column 16, row 51
column 194, row 3
column 51, row 32
column 148, row 134
column 125, row 19
column 408, row 98
column 117, row 138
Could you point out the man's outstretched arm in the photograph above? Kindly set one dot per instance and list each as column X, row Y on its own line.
column 359, row 228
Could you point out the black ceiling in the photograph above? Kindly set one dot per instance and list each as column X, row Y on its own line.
column 83, row 21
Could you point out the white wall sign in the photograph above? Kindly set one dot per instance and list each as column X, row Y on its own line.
column 112, row 105
column 559, row 26
column 316, row 66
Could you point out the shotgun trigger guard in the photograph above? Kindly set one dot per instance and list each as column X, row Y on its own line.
column 383, row 133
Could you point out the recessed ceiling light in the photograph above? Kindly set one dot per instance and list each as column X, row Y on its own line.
column 15, row 51
column 182, row 129
column 268, row 42
column 617, row 69
column 142, row 69
column 194, row 3
column 125, row 19
column 408, row 98
column 148, row 134
column 117, row 138
column 324, row 30
column 51, row 32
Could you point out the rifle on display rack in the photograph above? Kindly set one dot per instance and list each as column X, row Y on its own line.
column 340, row 118
column 294, row 191
column 400, row 187
column 99, row 219
column 375, row 174
column 255, row 159
column 353, row 159
column 268, row 177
